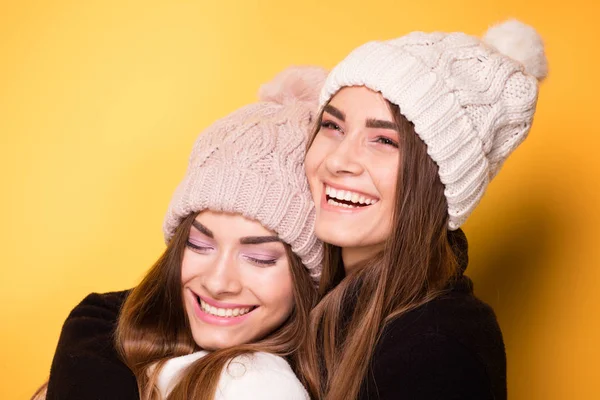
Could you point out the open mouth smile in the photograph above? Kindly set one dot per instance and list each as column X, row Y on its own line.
column 212, row 311
column 223, row 312
column 347, row 198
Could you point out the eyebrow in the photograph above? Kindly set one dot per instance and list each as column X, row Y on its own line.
column 377, row 123
column 203, row 229
column 244, row 240
column 335, row 112
column 259, row 239
column 371, row 122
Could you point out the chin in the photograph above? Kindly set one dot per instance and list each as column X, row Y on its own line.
column 336, row 237
column 205, row 342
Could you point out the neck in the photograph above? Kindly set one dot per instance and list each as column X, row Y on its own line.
column 354, row 257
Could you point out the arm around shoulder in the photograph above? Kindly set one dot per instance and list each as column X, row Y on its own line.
column 86, row 364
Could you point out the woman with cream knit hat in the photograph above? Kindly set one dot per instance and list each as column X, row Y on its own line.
column 224, row 311
column 412, row 130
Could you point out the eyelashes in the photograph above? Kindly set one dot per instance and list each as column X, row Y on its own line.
column 384, row 140
column 256, row 261
column 330, row 125
column 261, row 262
column 197, row 248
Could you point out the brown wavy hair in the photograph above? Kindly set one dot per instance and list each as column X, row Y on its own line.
column 153, row 327
column 416, row 265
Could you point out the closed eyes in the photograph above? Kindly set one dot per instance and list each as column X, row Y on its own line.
column 261, row 262
column 197, row 248
column 256, row 261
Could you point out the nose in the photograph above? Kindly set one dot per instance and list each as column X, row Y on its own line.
column 222, row 278
column 345, row 158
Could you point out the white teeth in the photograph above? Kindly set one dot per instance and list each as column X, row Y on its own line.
column 223, row 312
column 335, row 203
column 347, row 195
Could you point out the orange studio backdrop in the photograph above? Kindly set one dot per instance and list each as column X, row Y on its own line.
column 100, row 102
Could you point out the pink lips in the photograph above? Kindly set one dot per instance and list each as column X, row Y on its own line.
column 214, row 319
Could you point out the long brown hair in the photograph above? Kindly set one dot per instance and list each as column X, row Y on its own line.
column 416, row 265
column 153, row 327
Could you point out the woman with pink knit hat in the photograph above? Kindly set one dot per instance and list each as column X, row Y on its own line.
column 411, row 132
column 224, row 311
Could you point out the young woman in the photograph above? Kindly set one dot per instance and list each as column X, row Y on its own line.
column 411, row 132
column 224, row 310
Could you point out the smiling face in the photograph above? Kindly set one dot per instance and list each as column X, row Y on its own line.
column 236, row 278
column 352, row 169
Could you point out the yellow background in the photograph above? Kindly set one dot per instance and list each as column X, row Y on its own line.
column 100, row 103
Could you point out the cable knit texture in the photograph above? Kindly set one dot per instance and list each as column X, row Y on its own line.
column 471, row 104
column 252, row 163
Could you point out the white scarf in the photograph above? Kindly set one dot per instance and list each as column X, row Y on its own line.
column 248, row 377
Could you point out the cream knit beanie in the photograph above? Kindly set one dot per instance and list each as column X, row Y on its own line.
column 252, row 163
column 471, row 101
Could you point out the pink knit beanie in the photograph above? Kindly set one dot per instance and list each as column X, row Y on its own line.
column 252, row 163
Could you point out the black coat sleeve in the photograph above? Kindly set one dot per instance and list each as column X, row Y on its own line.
column 86, row 364
column 426, row 367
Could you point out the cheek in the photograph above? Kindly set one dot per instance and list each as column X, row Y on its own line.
column 387, row 178
column 190, row 265
column 390, row 182
column 185, row 268
column 310, row 163
column 315, row 156
column 276, row 292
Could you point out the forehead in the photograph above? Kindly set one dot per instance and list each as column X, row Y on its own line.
column 235, row 226
column 360, row 102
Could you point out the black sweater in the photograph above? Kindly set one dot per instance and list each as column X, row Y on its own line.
column 86, row 365
column 449, row 349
